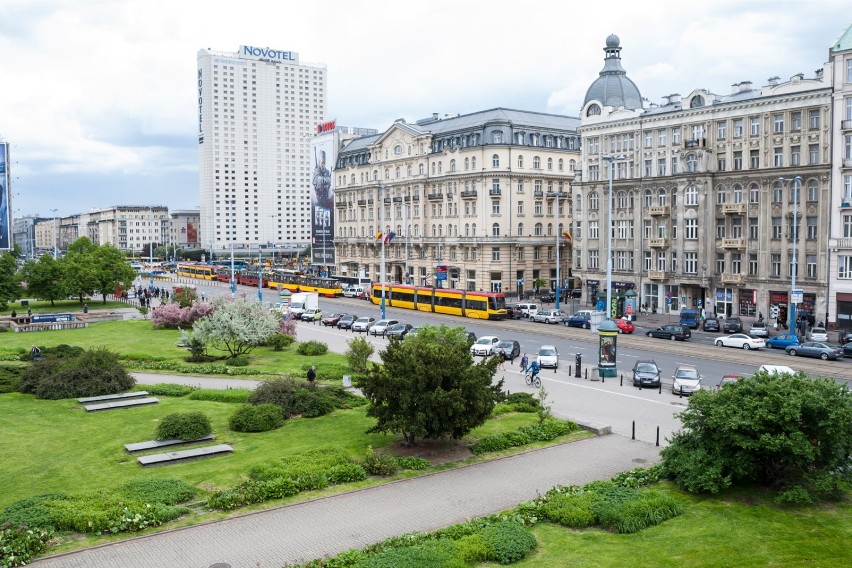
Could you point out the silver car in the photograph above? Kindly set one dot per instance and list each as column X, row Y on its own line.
column 758, row 329
column 686, row 380
column 363, row 323
column 548, row 316
column 381, row 327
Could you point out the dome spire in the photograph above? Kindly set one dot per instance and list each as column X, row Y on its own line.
column 613, row 88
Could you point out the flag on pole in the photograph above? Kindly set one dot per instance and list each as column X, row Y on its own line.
column 567, row 235
column 389, row 237
column 379, row 236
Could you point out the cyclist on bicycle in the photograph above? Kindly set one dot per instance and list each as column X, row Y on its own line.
column 533, row 370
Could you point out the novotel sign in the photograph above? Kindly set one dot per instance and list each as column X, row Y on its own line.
column 267, row 54
column 326, row 127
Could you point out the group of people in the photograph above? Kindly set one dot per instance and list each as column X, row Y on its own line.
column 14, row 313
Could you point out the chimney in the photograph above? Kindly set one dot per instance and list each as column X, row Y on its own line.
column 674, row 98
column 665, row 100
column 745, row 86
column 773, row 81
column 797, row 78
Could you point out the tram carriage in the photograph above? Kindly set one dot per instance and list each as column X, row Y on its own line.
column 467, row 303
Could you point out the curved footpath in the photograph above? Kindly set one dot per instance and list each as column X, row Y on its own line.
column 327, row 526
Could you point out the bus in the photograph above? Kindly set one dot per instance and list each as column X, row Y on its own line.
column 283, row 278
column 466, row 303
column 347, row 281
column 200, row 271
column 239, row 263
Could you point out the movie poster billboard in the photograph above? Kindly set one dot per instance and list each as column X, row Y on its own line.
column 5, row 196
column 323, row 156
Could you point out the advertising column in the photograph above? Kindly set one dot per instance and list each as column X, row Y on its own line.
column 322, row 204
column 5, row 196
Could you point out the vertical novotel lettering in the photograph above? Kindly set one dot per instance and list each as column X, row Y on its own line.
column 200, row 99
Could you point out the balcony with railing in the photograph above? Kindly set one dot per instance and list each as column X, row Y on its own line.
column 538, row 193
column 846, row 124
column 736, row 279
column 362, row 202
column 733, row 208
column 657, row 274
column 658, row 210
column 494, row 191
column 733, row 244
column 434, row 196
column 468, row 194
column 659, row 243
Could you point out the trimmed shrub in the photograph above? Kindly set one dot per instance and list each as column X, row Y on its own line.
column 238, row 361
column 296, row 398
column 20, row 544
column 412, row 463
column 184, row 426
column 431, row 554
column 507, row 541
column 310, row 403
column 346, row 473
column 239, row 396
column 252, row 491
column 100, row 513
column 379, row 463
column 312, row 348
column 169, row 389
column 571, row 510
column 280, row 341
column 61, row 351
column 260, row 418
column 544, row 432
column 165, row 491
column 628, row 511
column 311, row 481
column 471, row 549
column 95, row 372
column 10, row 379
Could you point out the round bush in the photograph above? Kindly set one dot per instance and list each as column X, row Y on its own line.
column 294, row 398
column 280, row 341
column 346, row 473
column 238, row 361
column 508, row 541
column 184, row 426
column 260, row 418
column 94, row 372
column 312, row 348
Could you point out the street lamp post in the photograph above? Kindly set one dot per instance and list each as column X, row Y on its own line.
column 611, row 160
column 233, row 281
column 382, row 231
column 259, row 274
column 151, row 253
column 797, row 180
column 54, row 233
column 558, row 237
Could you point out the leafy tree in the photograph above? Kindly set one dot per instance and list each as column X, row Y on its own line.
column 430, row 387
column 789, row 433
column 79, row 269
column 185, row 298
column 236, row 326
column 111, row 269
column 358, row 355
column 44, row 279
column 10, row 281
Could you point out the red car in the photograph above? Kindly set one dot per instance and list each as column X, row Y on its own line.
column 624, row 325
column 332, row 319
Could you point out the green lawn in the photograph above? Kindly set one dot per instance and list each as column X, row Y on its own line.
column 138, row 340
column 741, row 528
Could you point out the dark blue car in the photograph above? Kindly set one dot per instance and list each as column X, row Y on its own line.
column 579, row 320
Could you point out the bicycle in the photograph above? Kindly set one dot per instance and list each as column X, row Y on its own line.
column 532, row 380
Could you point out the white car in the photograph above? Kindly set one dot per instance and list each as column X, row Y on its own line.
column 818, row 334
column 758, row 329
column 548, row 316
column 686, row 380
column 381, row 327
column 548, row 356
column 353, row 291
column 777, row 370
column 363, row 324
column 484, row 345
column 740, row 340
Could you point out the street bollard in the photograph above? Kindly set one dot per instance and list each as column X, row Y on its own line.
column 633, row 435
column 578, row 363
column 621, row 380
column 570, row 372
column 658, row 435
column 680, row 395
column 587, row 373
column 661, row 388
column 603, row 378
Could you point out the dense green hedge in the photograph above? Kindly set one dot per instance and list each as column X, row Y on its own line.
column 237, row 396
column 312, row 348
column 256, row 418
column 544, row 432
column 94, row 372
column 184, row 426
column 10, row 378
column 298, row 398
column 167, row 389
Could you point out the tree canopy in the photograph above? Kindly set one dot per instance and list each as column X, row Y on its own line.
column 236, row 326
column 429, row 386
column 44, row 279
column 10, row 281
column 789, row 433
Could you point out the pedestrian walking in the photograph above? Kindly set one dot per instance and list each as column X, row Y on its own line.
column 35, row 353
column 524, row 362
column 502, row 362
column 312, row 375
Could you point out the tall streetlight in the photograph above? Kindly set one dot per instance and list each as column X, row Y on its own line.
column 54, row 233
column 558, row 194
column 795, row 233
column 382, row 187
column 611, row 160
column 151, row 253
column 259, row 274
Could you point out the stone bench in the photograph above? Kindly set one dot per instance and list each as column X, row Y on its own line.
column 154, row 444
column 183, row 455
column 110, row 397
column 121, row 404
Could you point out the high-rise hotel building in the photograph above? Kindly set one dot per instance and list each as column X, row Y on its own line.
column 257, row 109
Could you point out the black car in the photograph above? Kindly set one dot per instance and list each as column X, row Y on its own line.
column 509, row 348
column 646, row 374
column 673, row 332
column 514, row 312
column 844, row 337
column 733, row 325
column 711, row 324
column 548, row 297
column 398, row 331
column 346, row 321
column 577, row 293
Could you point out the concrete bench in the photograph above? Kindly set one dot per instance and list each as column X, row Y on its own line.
column 110, row 397
column 154, row 444
column 120, row 404
column 183, row 455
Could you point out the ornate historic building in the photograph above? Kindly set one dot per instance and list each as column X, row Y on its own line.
column 476, row 201
column 699, row 215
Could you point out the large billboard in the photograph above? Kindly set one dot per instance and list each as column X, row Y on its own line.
column 5, row 196
column 323, row 156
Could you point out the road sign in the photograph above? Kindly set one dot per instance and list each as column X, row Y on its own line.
column 669, row 294
column 441, row 272
column 520, row 281
column 797, row 296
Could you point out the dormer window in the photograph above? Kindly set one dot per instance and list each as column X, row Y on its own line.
column 696, row 102
column 594, row 110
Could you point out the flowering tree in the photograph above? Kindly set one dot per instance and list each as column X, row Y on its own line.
column 287, row 325
column 173, row 316
column 236, row 326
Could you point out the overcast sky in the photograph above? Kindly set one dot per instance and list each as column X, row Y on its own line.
column 99, row 98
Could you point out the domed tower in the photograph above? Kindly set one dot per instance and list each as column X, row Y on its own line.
column 613, row 88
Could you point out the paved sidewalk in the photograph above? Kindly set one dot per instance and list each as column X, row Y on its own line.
column 327, row 526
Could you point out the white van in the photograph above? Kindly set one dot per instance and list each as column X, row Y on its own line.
column 353, row 291
column 527, row 309
column 584, row 313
